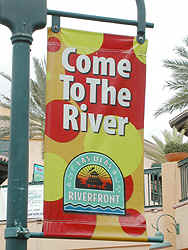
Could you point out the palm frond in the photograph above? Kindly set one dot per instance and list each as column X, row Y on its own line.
column 4, row 132
column 157, row 158
column 176, row 85
column 6, row 76
column 158, row 144
column 37, row 101
column 177, row 102
column 156, row 151
column 179, row 82
column 182, row 52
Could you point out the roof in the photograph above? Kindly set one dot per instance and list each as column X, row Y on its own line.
column 180, row 122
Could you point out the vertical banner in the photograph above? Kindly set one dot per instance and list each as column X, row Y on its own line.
column 35, row 202
column 94, row 176
column 38, row 173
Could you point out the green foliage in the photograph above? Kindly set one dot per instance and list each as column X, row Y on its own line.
column 179, row 83
column 172, row 142
column 173, row 147
column 37, row 103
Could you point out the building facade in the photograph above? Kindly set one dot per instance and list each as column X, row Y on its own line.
column 166, row 206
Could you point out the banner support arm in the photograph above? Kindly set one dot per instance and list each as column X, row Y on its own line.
column 141, row 24
column 158, row 238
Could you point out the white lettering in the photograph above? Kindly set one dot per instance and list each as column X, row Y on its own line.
column 99, row 197
column 106, row 198
column 95, row 123
column 124, row 95
column 83, row 64
column 117, row 198
column 106, row 63
column 79, row 195
column 100, row 65
column 123, row 67
column 65, row 59
column 71, row 196
column 77, row 92
column 112, row 200
column 93, row 88
column 69, row 116
column 108, row 90
column 110, row 124
column 89, row 197
column 94, row 197
column 66, row 86
column 122, row 122
column 83, row 122
column 84, row 196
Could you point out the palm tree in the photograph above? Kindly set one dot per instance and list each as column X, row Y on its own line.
column 179, row 84
column 156, row 151
column 37, row 103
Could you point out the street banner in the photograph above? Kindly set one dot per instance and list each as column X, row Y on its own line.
column 35, row 202
column 38, row 173
column 94, row 176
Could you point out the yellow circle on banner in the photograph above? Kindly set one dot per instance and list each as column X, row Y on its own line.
column 126, row 151
column 140, row 50
column 85, row 42
column 53, row 174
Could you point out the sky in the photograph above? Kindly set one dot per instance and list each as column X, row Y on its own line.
column 170, row 28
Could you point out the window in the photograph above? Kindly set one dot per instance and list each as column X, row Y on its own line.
column 183, row 165
column 153, row 186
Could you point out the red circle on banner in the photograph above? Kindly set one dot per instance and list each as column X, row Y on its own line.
column 65, row 224
column 129, row 186
column 53, row 44
column 133, row 223
column 54, row 122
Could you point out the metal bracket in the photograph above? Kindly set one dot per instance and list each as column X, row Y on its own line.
column 140, row 23
column 17, row 232
column 55, row 24
column 175, row 224
column 141, row 17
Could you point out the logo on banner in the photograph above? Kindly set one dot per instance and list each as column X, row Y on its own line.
column 93, row 183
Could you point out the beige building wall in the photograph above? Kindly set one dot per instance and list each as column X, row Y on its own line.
column 171, row 192
column 171, row 195
column 169, row 188
column 147, row 163
column 151, row 215
column 181, row 215
column 171, row 185
column 4, row 111
column 35, row 155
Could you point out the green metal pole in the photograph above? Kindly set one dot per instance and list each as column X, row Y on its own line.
column 158, row 238
column 18, row 163
column 96, row 18
column 22, row 19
